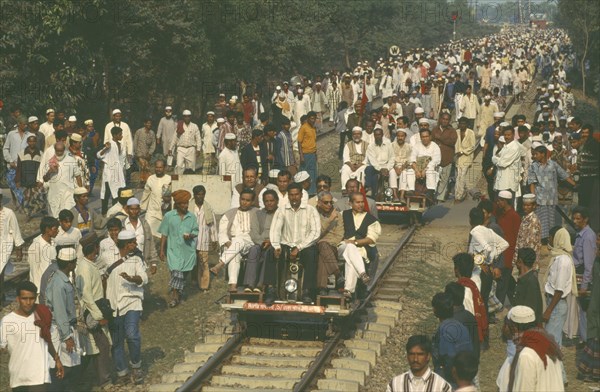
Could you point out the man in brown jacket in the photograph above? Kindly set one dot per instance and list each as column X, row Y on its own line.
column 332, row 232
column 445, row 137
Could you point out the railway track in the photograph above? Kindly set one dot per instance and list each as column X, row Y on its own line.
column 225, row 363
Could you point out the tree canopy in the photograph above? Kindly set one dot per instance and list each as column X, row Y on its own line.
column 92, row 55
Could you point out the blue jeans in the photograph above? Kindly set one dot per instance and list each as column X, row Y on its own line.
column 310, row 165
column 554, row 326
column 371, row 180
column 127, row 327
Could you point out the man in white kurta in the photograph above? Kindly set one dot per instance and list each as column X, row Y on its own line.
column 380, row 160
column 188, row 142
column 42, row 252
column 354, row 157
column 229, row 161
column 208, row 145
column 166, row 130
column 10, row 236
column 508, row 162
column 301, row 106
column 153, row 194
column 127, row 142
column 426, row 148
column 469, row 107
column 401, row 171
column 61, row 175
column 114, row 158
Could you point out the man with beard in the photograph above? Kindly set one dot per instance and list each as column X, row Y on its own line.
column 188, row 142
column 402, row 170
column 62, row 174
column 332, row 231
column 354, row 157
column 166, row 130
column 153, row 194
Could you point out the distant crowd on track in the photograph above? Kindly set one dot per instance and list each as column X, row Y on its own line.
column 88, row 269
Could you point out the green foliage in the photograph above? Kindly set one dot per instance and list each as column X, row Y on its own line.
column 140, row 54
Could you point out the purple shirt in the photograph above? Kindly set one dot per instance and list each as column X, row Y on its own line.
column 584, row 253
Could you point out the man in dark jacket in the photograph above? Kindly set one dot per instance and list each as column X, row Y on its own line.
column 527, row 290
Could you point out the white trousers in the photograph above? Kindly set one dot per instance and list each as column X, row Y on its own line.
column 186, row 159
column 405, row 181
column 355, row 266
column 460, row 188
column 431, row 180
column 346, row 173
column 232, row 256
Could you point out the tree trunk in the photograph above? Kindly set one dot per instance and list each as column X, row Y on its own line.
column 585, row 50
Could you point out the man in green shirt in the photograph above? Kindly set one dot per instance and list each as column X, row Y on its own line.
column 179, row 230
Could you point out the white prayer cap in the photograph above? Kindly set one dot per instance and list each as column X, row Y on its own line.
column 89, row 122
column 505, row 124
column 220, row 120
column 301, row 176
column 569, row 119
column 273, row 173
column 67, row 254
column 501, row 139
column 278, row 88
column 402, row 130
column 210, row 113
column 357, row 129
column 378, row 126
column 529, row 198
column 536, row 138
column 168, row 108
column 563, row 118
column 48, row 111
column 32, row 119
column 75, row 137
column 498, row 114
column 133, row 202
column 80, row 191
column 318, row 84
column 550, row 87
column 298, row 84
column 285, row 82
column 72, row 119
column 116, row 111
column 186, row 113
column 230, row 136
column 221, row 95
column 545, row 106
column 487, row 97
column 528, row 126
column 505, row 195
column 521, row 314
column 356, row 74
column 126, row 235
column 300, row 91
column 536, row 144
column 423, row 120
column 419, row 111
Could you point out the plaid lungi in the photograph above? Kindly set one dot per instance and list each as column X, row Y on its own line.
column 546, row 216
column 177, row 281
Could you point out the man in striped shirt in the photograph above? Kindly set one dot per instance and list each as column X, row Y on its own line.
column 294, row 232
column 420, row 377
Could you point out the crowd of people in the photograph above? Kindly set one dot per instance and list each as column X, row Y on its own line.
column 85, row 292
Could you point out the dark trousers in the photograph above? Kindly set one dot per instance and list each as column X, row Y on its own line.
column 100, row 362
column 257, row 263
column 505, row 285
column 107, row 195
column 343, row 136
column 32, row 388
column 486, row 287
column 308, row 259
column 372, row 180
column 69, row 381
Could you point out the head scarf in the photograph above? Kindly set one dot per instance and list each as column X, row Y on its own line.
column 562, row 243
column 181, row 196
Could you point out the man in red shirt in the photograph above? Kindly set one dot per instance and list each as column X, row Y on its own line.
column 509, row 221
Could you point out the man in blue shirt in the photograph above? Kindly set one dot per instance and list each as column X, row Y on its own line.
column 450, row 338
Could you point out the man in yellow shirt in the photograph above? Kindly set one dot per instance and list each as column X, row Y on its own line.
column 307, row 146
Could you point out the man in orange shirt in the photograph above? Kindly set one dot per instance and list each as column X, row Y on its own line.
column 307, row 146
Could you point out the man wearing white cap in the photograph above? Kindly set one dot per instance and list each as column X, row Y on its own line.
column 303, row 178
column 153, row 194
column 60, row 298
column 208, row 145
column 127, row 142
column 47, row 128
column 125, row 281
column 401, row 170
column 166, row 130
column 75, row 151
column 319, row 104
column 508, row 162
column 229, row 161
column 62, row 175
column 354, row 157
column 188, row 143
column 113, row 155
column 301, row 105
column 486, row 117
column 535, row 364
column 380, row 160
column 143, row 235
column 33, row 126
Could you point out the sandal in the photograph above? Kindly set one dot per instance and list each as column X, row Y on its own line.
column 173, row 303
